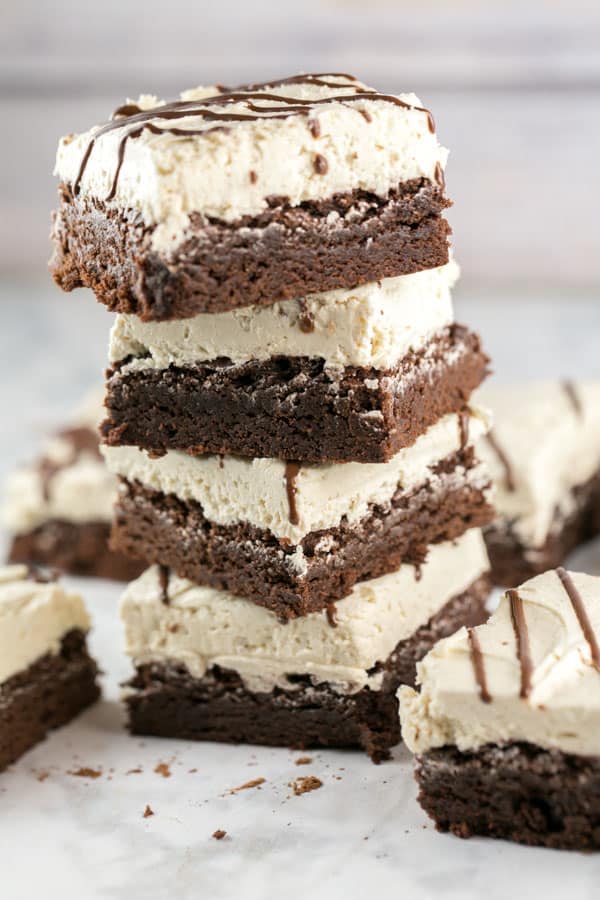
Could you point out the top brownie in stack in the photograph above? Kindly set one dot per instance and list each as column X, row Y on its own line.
column 282, row 276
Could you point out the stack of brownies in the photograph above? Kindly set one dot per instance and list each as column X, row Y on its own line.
column 287, row 403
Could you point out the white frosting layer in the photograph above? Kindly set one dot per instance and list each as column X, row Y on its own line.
column 167, row 177
column 202, row 627
column 33, row 619
column 81, row 490
column 563, row 709
column 551, row 447
column 231, row 489
column 374, row 324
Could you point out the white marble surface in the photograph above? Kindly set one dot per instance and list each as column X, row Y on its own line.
column 362, row 833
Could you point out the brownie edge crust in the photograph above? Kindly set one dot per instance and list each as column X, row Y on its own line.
column 518, row 792
column 165, row 700
column 51, row 692
column 285, row 252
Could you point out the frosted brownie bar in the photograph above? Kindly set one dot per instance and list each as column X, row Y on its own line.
column 230, row 198
column 507, row 721
column 211, row 666
column 46, row 674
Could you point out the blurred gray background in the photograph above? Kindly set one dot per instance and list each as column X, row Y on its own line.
column 515, row 88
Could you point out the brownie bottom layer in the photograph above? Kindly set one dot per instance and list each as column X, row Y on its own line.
column 284, row 252
column 46, row 695
column 295, row 407
column 166, row 700
column 79, row 549
column 519, row 792
column 513, row 562
column 252, row 563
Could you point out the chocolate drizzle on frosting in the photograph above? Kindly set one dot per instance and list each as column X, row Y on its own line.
column 478, row 666
column 291, row 474
column 517, row 613
column 164, row 574
column 258, row 100
column 573, row 397
column 503, row 459
column 581, row 613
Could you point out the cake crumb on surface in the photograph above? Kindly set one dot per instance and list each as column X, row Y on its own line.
column 163, row 768
column 85, row 772
column 148, row 811
column 219, row 834
column 303, row 760
column 306, row 784
column 256, row 782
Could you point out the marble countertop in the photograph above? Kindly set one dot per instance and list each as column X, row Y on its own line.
column 362, row 833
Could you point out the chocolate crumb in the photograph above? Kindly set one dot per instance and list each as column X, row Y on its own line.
column 321, row 164
column 41, row 776
column 192, row 771
column 303, row 760
column 163, row 769
column 253, row 176
column 314, row 126
column 256, row 782
column 148, row 811
column 137, row 771
column 86, row 772
column 306, row 784
column 219, row 834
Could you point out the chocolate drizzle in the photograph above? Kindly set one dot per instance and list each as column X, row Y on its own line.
column 503, row 459
column 321, row 165
column 573, row 397
column 517, row 614
column 291, row 474
column 582, row 617
column 134, row 121
column 164, row 574
column 478, row 666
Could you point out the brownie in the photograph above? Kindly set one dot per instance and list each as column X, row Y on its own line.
column 294, row 407
column 513, row 562
column 79, row 548
column 250, row 562
column 46, row 695
column 284, row 252
column 165, row 700
column 518, row 791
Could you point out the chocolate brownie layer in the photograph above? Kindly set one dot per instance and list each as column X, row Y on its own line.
column 46, row 695
column 286, row 251
column 251, row 563
column 519, row 792
column 513, row 563
column 76, row 548
column 166, row 700
column 295, row 407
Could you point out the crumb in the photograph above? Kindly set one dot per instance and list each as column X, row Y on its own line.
column 306, row 784
column 192, row 771
column 366, row 838
column 219, row 834
column 256, row 782
column 148, row 811
column 41, row 776
column 163, row 769
column 86, row 772
column 337, row 777
column 137, row 771
column 303, row 761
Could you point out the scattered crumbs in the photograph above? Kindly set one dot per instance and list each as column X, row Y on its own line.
column 192, row 771
column 366, row 837
column 148, row 811
column 137, row 771
column 304, row 761
column 86, row 772
column 306, row 784
column 163, row 769
column 219, row 834
column 337, row 777
column 41, row 776
column 256, row 782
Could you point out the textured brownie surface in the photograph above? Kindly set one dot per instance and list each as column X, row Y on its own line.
column 251, row 563
column 166, row 700
column 519, row 792
column 46, row 695
column 513, row 563
column 76, row 548
column 294, row 407
column 284, row 252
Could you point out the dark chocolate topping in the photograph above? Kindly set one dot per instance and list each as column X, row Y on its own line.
column 580, row 611
column 478, row 666
column 503, row 459
column 291, row 474
column 135, row 121
column 517, row 613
